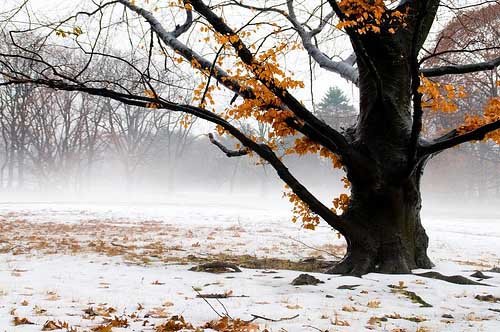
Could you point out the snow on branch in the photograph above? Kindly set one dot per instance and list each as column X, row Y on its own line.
column 230, row 153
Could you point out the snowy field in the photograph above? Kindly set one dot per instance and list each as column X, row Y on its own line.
column 125, row 267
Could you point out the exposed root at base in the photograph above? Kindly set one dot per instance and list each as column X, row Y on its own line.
column 459, row 280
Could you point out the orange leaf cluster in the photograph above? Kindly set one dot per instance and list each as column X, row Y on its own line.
column 151, row 94
column 301, row 211
column 341, row 203
column 491, row 114
column 347, row 183
column 440, row 97
column 266, row 107
column 368, row 16
column 186, row 121
column 203, row 89
column 305, row 145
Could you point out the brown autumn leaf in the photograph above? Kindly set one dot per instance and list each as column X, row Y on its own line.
column 157, row 313
column 293, row 307
column 39, row 310
column 52, row 296
column 373, row 304
column 21, row 321
column 51, row 325
column 117, row 322
column 339, row 322
column 225, row 324
column 158, row 283
column 102, row 328
column 175, row 323
column 349, row 308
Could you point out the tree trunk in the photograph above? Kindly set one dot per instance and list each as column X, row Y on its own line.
column 385, row 233
column 389, row 236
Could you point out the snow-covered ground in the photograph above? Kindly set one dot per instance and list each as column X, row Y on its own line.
column 84, row 263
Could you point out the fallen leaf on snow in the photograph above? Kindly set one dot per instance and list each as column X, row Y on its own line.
column 225, row 324
column 21, row 321
column 175, row 323
column 51, row 325
column 373, row 304
column 296, row 306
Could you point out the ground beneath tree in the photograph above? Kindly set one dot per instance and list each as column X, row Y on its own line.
column 86, row 264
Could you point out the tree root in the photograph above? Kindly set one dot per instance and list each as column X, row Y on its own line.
column 354, row 264
column 459, row 280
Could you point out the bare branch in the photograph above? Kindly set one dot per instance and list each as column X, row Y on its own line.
column 343, row 68
column 461, row 69
column 454, row 138
column 230, row 153
column 255, row 317
column 170, row 38
column 180, row 29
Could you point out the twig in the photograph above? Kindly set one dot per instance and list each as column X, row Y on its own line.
column 204, row 299
column 313, row 327
column 119, row 245
column 255, row 317
column 218, row 296
column 313, row 248
column 225, row 309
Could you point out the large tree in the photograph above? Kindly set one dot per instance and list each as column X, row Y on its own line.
column 242, row 47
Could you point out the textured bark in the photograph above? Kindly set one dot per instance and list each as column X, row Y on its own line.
column 385, row 233
column 389, row 236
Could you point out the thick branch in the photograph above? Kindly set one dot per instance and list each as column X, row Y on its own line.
column 454, row 138
column 461, row 69
column 180, row 29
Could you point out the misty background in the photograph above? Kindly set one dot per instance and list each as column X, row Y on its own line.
column 74, row 147
column 57, row 145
